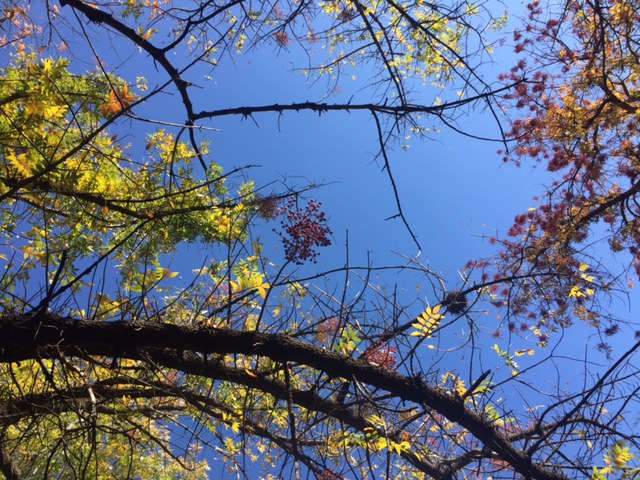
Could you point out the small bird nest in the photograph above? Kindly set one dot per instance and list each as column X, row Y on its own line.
column 456, row 302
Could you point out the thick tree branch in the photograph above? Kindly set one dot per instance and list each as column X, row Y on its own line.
column 49, row 336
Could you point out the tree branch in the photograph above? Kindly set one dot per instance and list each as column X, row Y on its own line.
column 320, row 108
column 44, row 335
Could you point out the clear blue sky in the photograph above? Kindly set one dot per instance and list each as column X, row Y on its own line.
column 451, row 187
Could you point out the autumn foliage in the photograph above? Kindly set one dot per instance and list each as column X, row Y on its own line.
column 577, row 117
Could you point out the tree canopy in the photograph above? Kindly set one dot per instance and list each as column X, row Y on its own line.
column 123, row 355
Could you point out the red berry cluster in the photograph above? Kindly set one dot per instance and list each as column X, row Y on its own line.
column 303, row 230
column 381, row 354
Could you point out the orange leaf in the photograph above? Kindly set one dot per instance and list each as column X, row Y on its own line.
column 117, row 101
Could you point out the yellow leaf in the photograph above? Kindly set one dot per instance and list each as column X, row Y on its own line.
column 262, row 290
column 47, row 65
column 575, row 292
column 428, row 322
column 19, row 162
column 53, row 112
column 520, row 353
column 400, row 447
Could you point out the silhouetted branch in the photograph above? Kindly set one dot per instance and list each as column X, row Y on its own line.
column 49, row 336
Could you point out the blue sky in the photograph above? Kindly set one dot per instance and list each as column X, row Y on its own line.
column 453, row 189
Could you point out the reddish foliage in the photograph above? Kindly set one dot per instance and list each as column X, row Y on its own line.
column 327, row 329
column 282, row 38
column 381, row 354
column 579, row 119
